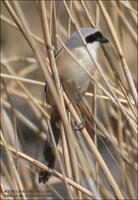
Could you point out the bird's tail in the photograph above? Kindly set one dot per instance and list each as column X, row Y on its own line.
column 48, row 152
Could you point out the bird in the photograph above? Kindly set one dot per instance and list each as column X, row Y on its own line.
column 74, row 79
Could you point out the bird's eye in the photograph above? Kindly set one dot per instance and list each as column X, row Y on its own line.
column 94, row 37
column 90, row 38
column 98, row 36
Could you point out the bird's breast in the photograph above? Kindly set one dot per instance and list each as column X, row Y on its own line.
column 71, row 72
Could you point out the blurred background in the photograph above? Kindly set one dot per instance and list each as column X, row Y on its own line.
column 23, row 125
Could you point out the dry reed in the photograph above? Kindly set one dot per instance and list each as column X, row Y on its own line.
column 98, row 161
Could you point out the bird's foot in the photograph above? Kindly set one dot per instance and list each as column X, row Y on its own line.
column 80, row 126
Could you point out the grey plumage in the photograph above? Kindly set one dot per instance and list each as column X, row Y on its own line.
column 75, row 40
column 74, row 79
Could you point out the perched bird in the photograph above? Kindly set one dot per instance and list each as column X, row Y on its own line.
column 74, row 79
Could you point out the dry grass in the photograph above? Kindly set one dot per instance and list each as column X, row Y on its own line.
column 100, row 160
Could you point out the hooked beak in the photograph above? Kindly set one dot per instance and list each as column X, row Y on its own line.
column 103, row 40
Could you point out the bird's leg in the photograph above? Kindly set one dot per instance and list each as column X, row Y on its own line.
column 80, row 126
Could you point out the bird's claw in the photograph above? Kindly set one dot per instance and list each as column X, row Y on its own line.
column 80, row 126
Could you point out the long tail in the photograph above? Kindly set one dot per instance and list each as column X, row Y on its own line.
column 48, row 153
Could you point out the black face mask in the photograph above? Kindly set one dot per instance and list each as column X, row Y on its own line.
column 97, row 36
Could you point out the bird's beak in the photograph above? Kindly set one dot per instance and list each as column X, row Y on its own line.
column 103, row 40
